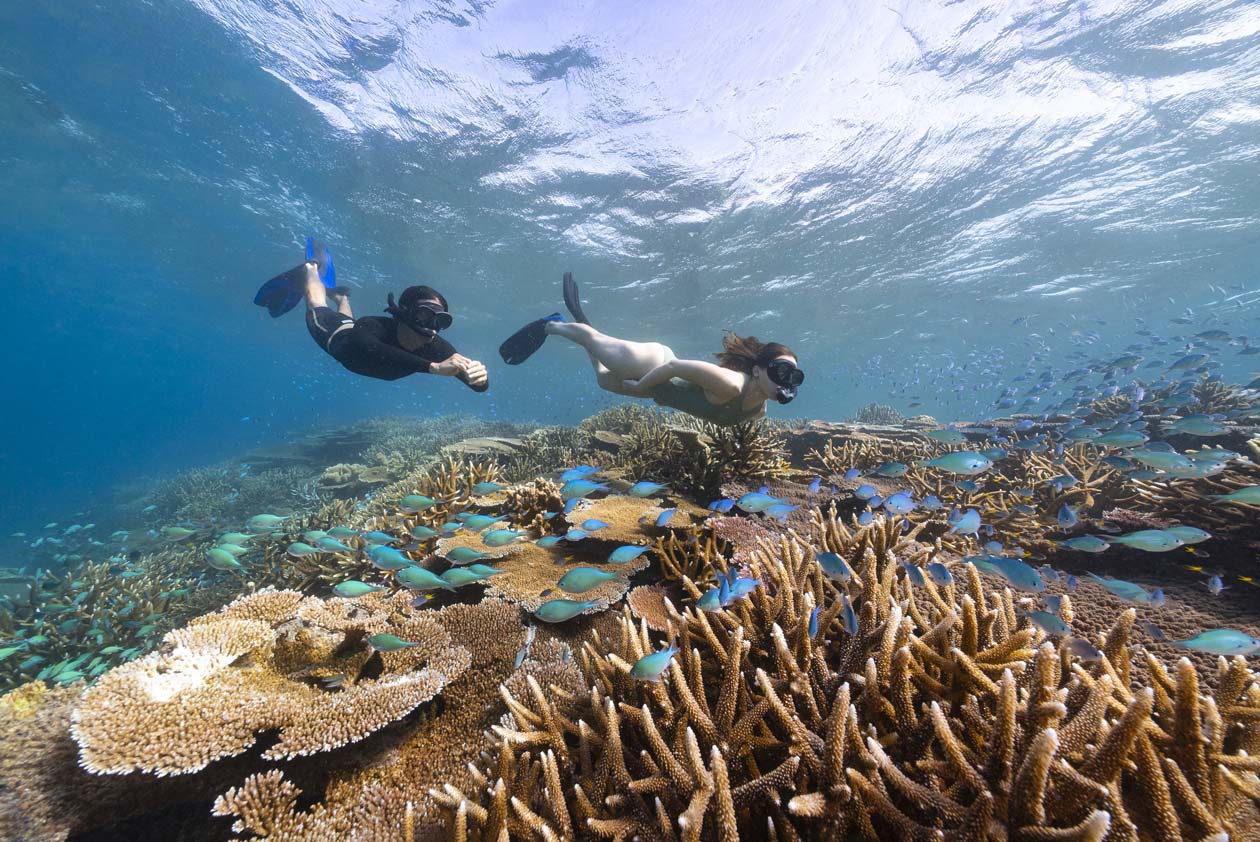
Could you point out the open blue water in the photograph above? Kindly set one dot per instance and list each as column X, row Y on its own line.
column 888, row 188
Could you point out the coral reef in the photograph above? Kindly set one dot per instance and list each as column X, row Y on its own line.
column 270, row 660
column 944, row 714
column 877, row 413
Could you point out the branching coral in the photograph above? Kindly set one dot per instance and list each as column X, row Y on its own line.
column 945, row 714
column 877, row 413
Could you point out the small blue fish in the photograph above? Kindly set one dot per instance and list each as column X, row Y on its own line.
column 389, row 643
column 1069, row 582
column 968, row 486
column 1221, row 642
column 548, row 541
column 835, row 567
column 1149, row 540
column 931, row 503
column 962, row 462
column 582, row 579
column 757, row 501
column 1066, row 517
column 711, row 600
column 1048, row 573
column 413, row 503
column 1128, row 591
column 570, row 504
column 722, row 506
column 483, row 488
column 297, row 549
column 575, row 535
column 900, row 503
column 1047, row 622
column 993, row 547
column 1154, row 631
column 476, row 523
column 650, row 667
column 579, row 488
column 501, row 537
column 643, row 488
column 332, row 545
column 1062, row 483
column 354, row 588
column 663, row 518
column 875, row 502
column 1188, row 534
column 865, row 518
column 1083, row 649
column 813, row 621
column 626, row 553
column 779, row 511
column 484, row 569
column 891, row 470
column 940, row 574
column 388, row 558
column 460, row 576
column 1215, row 585
column 578, row 472
column 559, row 610
column 865, row 492
column 594, row 525
column 848, row 617
column 422, row 532
column 967, row 524
column 1085, row 544
column 852, row 474
column 1158, row 599
column 914, row 573
column 378, row 538
column 1054, row 604
column 1018, row 574
column 463, row 555
column 815, row 485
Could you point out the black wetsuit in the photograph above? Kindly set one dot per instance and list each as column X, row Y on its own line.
column 369, row 346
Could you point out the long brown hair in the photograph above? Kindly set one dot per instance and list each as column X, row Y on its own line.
column 741, row 353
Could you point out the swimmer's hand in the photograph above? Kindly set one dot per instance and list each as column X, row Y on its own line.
column 470, row 371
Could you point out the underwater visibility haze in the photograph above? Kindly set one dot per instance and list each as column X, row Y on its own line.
column 1000, row 516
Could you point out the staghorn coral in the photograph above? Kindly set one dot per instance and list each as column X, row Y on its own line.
column 877, row 413
column 944, row 715
column 252, row 667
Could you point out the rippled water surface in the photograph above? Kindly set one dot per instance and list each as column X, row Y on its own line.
column 888, row 188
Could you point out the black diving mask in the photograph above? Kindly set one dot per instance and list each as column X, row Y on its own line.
column 787, row 377
column 425, row 318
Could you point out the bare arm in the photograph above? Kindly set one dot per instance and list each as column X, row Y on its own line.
column 719, row 381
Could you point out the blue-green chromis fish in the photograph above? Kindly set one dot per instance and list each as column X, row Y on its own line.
column 413, row 503
column 848, row 617
column 1249, row 496
column 1128, row 591
column 650, row 667
column 460, row 576
column 835, row 567
column 892, row 470
column 946, row 436
column 643, row 488
column 264, row 523
column 378, row 537
column 1188, row 534
column 483, row 488
column 940, row 574
column 419, row 579
column 559, row 610
column 548, row 541
column 1085, row 544
column 962, row 462
column 626, row 553
column 485, row 569
column 1047, row 622
column 1221, row 642
column 353, row 587
column 423, row 533
column 756, row 501
column 463, row 555
column 577, row 488
column 221, row 559
column 582, row 579
column 476, row 523
column 1149, row 540
column 386, row 642
column 332, row 545
column 594, row 525
column 341, row 533
column 388, row 558
column 501, row 537
column 297, row 549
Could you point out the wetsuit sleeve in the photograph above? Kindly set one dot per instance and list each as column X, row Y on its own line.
column 438, row 350
column 366, row 342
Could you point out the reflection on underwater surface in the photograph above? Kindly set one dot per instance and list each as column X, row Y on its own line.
column 1012, row 598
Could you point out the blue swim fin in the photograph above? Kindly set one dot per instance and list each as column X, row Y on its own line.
column 320, row 254
column 283, row 292
column 518, row 347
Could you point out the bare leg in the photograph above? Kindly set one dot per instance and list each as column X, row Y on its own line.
column 614, row 359
column 316, row 295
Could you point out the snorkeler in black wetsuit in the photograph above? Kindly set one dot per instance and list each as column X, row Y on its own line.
column 387, row 348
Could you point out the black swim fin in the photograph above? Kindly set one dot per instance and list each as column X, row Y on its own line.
column 283, row 292
column 521, row 345
column 572, row 300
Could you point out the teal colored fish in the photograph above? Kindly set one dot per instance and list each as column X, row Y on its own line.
column 665, row 516
column 176, row 532
column 1221, row 642
column 940, row 574
column 1162, row 460
column 1122, row 438
column 1198, row 425
column 463, row 555
column 234, row 549
column 264, row 523
column 848, row 617
column 9, row 650
column 578, row 488
column 548, row 541
column 757, row 501
column 297, row 549
column 501, row 537
column 651, row 667
column 643, row 488
column 483, row 488
column 1018, row 574
column 835, row 567
column 1149, row 540
column 1128, row 591
column 1249, row 496
column 376, row 537
column 476, row 523
column 460, row 576
column 221, row 559
column 962, row 462
column 582, row 579
column 1047, row 622
column 419, row 579
column 626, row 553
column 967, row 524
column 235, row 538
column 332, row 545
column 341, row 533
column 1085, row 544
column 946, row 436
column 413, row 503
column 484, row 569
column 1189, row 534
column 388, row 558
column 353, row 588
column 386, row 642
column 892, row 470
column 313, row 535
column 594, row 525
column 423, row 533
column 575, row 535
column 559, row 610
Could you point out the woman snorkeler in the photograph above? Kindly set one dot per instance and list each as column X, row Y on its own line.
column 748, row 372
